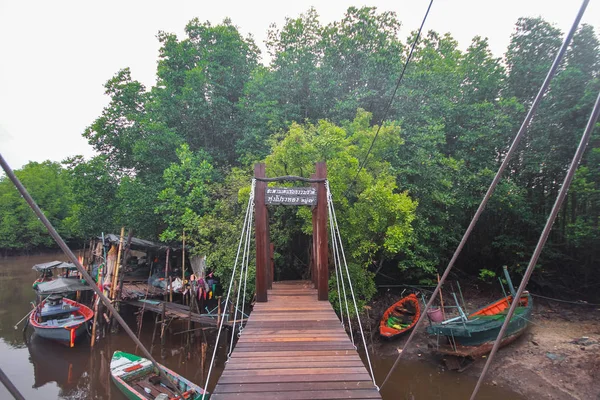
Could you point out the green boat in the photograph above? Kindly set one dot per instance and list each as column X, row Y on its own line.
column 138, row 379
column 474, row 335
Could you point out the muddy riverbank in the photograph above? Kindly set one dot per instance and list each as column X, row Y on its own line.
column 557, row 358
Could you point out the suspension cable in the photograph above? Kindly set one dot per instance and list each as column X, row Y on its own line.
column 389, row 104
column 497, row 177
column 544, row 236
column 339, row 263
column 244, row 226
column 248, row 240
column 239, row 287
column 61, row 243
column 336, row 262
column 362, row 334
column 244, row 275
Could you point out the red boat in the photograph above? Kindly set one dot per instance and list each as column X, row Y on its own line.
column 400, row 317
column 61, row 319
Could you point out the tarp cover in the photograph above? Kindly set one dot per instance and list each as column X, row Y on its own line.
column 53, row 264
column 135, row 242
column 62, row 285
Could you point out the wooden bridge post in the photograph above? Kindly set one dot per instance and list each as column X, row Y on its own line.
column 322, row 256
column 260, row 214
column 313, row 253
column 271, row 264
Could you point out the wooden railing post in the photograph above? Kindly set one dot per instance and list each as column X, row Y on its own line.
column 313, row 254
column 271, row 264
column 322, row 256
column 260, row 214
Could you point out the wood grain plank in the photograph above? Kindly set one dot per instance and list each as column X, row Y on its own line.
column 294, row 347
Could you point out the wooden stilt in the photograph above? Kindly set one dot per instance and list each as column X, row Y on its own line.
column 95, row 323
column 163, row 351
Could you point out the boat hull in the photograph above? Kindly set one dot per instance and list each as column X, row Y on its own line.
column 389, row 332
column 483, row 326
column 127, row 369
column 68, row 331
column 67, row 336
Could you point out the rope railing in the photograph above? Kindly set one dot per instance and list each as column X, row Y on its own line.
column 245, row 227
column 338, row 265
column 333, row 220
column 244, row 276
column 337, row 275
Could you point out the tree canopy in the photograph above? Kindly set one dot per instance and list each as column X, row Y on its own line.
column 178, row 156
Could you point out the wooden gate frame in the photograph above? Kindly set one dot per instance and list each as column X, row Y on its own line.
column 320, row 253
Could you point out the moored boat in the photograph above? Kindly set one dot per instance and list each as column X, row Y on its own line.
column 474, row 335
column 400, row 317
column 61, row 319
column 138, row 379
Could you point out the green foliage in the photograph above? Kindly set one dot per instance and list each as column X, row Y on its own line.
column 178, row 155
column 375, row 218
column 48, row 184
column 486, row 275
column 184, row 198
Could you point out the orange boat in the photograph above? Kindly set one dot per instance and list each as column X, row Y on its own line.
column 402, row 316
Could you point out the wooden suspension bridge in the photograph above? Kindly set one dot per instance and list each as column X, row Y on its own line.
column 293, row 345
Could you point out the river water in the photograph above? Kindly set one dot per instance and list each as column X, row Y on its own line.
column 42, row 369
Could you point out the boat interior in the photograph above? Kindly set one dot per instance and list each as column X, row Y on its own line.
column 57, row 312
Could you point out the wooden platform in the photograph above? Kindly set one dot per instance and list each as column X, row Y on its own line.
column 176, row 311
column 294, row 347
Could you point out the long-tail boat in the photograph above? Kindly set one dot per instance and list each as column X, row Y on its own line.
column 400, row 317
column 138, row 379
column 474, row 335
column 60, row 319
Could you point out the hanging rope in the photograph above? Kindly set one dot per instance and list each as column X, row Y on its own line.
column 492, row 187
column 248, row 240
column 244, row 276
column 338, row 263
column 389, row 105
column 544, row 236
column 333, row 220
column 245, row 227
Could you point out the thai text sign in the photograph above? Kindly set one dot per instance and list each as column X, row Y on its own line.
column 298, row 196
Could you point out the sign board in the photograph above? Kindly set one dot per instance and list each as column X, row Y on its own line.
column 298, row 196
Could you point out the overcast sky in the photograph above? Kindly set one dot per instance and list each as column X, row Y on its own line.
column 55, row 56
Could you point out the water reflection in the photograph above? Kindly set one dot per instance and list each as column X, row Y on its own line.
column 43, row 369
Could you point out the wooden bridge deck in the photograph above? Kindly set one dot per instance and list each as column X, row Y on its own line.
column 294, row 347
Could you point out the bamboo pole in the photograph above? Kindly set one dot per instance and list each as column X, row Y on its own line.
column 441, row 299
column 93, row 340
column 219, row 311
column 167, row 272
column 183, row 260
column 117, row 265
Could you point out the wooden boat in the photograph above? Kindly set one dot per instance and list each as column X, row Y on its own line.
column 138, row 379
column 60, row 319
column 475, row 335
column 400, row 317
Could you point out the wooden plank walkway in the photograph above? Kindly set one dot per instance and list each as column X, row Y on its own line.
column 294, row 347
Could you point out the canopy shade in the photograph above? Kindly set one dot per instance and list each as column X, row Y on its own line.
column 135, row 242
column 52, row 265
column 61, row 285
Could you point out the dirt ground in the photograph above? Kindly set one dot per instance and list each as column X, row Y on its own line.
column 558, row 357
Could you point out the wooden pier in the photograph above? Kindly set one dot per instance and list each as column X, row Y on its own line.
column 293, row 347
